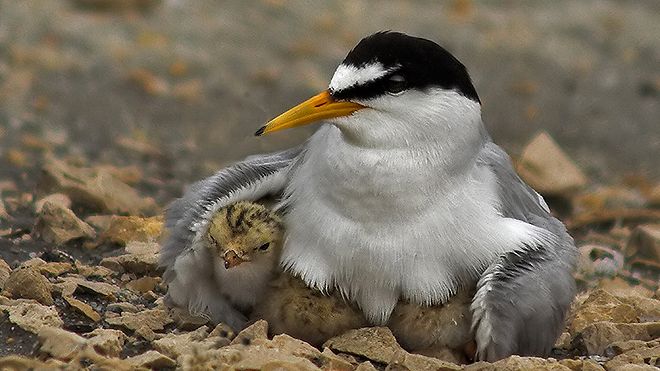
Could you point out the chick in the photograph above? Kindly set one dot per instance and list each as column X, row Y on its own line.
column 245, row 240
column 290, row 307
column 442, row 331
column 237, row 256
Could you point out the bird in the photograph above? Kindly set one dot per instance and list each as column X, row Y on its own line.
column 401, row 194
column 235, row 260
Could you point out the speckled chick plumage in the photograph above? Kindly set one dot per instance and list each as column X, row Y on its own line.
column 239, row 255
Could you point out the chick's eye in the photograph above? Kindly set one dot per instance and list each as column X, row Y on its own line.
column 396, row 84
column 264, row 247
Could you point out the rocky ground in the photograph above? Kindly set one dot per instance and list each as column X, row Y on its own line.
column 86, row 170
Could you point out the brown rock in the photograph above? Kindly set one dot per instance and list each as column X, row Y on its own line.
column 144, row 323
column 5, row 272
column 124, row 229
column 106, row 342
column 59, row 199
column 151, row 360
column 143, row 284
column 644, row 358
column 59, row 225
column 406, row 361
column 548, row 169
column 373, row 343
column 644, row 242
column 654, row 195
column 601, row 306
column 96, row 189
column 188, row 322
column 366, row 366
column 28, row 283
column 609, row 197
column 59, row 343
column 518, row 363
column 174, row 345
column 581, row 365
column 648, row 309
column 31, row 316
column 99, row 222
column 71, row 284
column 224, row 331
column 94, row 271
column 596, row 337
column 134, row 263
column 257, row 331
column 619, row 287
column 12, row 363
column 83, row 308
column 55, row 269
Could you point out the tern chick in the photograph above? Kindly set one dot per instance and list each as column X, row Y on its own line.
column 238, row 255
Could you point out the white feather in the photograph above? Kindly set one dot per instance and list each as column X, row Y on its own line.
column 346, row 75
column 389, row 203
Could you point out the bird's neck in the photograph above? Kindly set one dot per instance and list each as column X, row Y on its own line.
column 444, row 136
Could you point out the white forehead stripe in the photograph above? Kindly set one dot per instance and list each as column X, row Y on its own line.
column 346, row 75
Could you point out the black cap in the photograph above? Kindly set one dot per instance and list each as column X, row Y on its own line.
column 421, row 63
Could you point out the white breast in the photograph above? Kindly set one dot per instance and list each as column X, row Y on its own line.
column 383, row 225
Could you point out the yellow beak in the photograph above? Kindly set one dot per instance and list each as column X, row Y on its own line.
column 318, row 107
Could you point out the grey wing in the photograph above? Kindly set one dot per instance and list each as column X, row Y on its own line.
column 253, row 178
column 523, row 297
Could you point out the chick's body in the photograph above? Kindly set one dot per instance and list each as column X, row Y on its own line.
column 245, row 241
column 236, row 257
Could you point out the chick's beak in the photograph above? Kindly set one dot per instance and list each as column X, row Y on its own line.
column 319, row 107
column 232, row 259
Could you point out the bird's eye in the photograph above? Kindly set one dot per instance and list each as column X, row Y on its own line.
column 396, row 84
column 264, row 247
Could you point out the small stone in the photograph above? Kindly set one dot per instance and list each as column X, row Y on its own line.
column 638, row 358
column 106, row 342
column 99, row 222
column 143, row 284
column 406, row 361
column 59, row 199
column 366, row 366
column 124, row 229
column 60, row 343
column 134, row 263
column 518, row 363
column 373, row 343
column 257, row 331
column 95, row 189
column 144, row 323
column 83, row 308
column 14, row 362
column 59, row 225
column 619, row 287
column 596, row 337
column 581, row 365
column 151, row 360
column 122, row 307
column 31, row 316
column 548, row 169
column 644, row 242
column 142, row 248
column 188, row 322
column 55, row 269
column 28, row 283
column 223, row 330
column 72, row 284
column 5, row 272
column 93, row 271
column 601, row 306
column 174, row 345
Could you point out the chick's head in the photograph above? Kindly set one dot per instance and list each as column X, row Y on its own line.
column 245, row 232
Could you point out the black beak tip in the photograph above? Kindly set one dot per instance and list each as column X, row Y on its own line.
column 260, row 131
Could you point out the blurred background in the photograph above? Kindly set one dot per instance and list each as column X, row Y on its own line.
column 190, row 81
